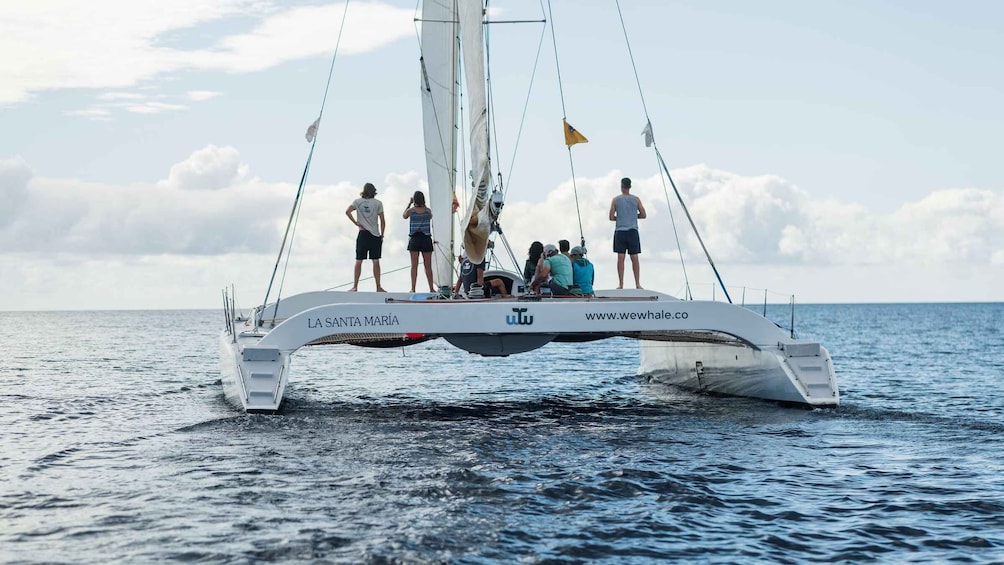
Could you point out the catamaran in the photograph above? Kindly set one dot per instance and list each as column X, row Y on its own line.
column 709, row 346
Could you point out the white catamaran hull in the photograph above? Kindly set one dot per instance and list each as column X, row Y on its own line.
column 736, row 370
column 705, row 346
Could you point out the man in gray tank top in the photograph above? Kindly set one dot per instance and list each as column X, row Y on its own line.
column 626, row 210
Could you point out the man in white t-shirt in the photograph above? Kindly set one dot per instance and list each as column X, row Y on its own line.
column 371, row 223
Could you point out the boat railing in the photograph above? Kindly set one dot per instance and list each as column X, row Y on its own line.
column 749, row 297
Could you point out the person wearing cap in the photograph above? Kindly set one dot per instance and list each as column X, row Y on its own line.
column 626, row 209
column 556, row 270
column 583, row 273
column 370, row 220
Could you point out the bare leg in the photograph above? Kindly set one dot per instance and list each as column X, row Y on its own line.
column 355, row 275
column 498, row 287
column 427, row 261
column 636, row 267
column 414, row 269
column 620, row 270
column 376, row 275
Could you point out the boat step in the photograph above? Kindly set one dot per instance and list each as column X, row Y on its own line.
column 261, row 382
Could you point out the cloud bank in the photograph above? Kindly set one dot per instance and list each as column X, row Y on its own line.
column 211, row 217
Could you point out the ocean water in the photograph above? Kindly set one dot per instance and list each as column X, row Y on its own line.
column 118, row 446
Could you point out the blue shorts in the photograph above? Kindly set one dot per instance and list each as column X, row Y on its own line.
column 627, row 241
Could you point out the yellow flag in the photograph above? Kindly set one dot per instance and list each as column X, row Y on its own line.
column 572, row 135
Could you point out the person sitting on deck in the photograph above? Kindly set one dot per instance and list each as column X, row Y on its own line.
column 583, row 274
column 532, row 261
column 555, row 272
column 471, row 274
column 563, row 246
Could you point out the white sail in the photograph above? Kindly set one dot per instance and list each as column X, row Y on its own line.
column 440, row 52
column 475, row 221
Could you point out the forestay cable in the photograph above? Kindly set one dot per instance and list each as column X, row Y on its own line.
column 312, row 134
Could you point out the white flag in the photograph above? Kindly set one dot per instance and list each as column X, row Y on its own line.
column 312, row 130
column 649, row 136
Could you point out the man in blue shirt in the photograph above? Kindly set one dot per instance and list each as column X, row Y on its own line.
column 583, row 273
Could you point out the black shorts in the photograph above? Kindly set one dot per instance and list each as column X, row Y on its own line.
column 368, row 244
column 627, row 241
column 420, row 242
column 557, row 289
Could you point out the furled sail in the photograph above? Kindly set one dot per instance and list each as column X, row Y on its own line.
column 475, row 221
column 440, row 52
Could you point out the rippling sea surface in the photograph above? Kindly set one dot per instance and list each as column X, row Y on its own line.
column 117, row 445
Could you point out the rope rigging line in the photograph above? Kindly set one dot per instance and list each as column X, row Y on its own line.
column 503, row 184
column 526, row 104
column 490, row 106
column 427, row 86
column 297, row 202
column 694, row 226
column 672, row 218
column 508, row 248
column 564, row 117
column 662, row 162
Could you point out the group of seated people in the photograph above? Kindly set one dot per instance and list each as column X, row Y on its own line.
column 563, row 271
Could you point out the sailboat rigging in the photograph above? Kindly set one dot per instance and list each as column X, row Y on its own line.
column 703, row 345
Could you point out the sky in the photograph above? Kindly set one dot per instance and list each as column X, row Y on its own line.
column 839, row 152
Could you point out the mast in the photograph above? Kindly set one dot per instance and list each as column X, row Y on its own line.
column 440, row 102
column 476, row 222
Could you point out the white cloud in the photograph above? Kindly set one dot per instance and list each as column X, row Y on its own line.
column 154, row 107
column 210, row 222
column 122, row 96
column 209, row 168
column 117, row 44
column 201, row 95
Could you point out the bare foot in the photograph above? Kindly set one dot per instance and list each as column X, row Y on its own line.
column 620, row 287
column 380, row 289
column 353, row 289
column 412, row 290
column 639, row 287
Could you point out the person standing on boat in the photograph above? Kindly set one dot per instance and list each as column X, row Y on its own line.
column 419, row 237
column 555, row 272
column 370, row 220
column 583, row 274
column 626, row 209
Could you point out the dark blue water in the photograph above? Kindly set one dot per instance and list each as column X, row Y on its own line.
column 117, row 445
